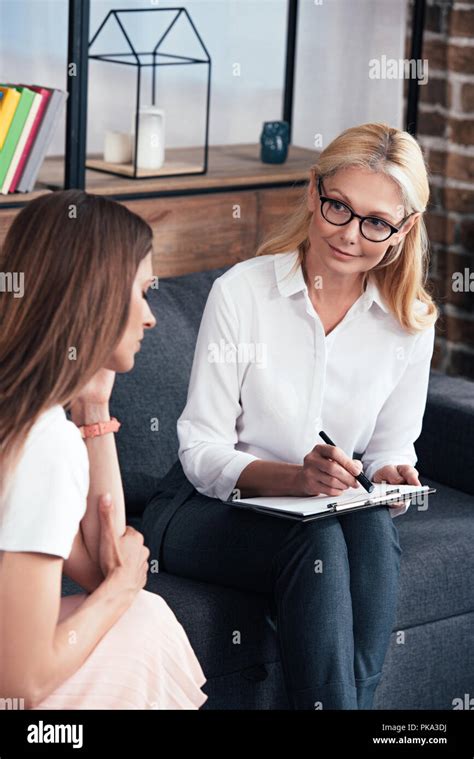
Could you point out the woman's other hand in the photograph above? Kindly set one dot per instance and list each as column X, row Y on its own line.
column 393, row 474
column 401, row 474
column 126, row 553
column 98, row 390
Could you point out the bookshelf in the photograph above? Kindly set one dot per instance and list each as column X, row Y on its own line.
column 194, row 233
column 192, row 217
column 230, row 167
column 72, row 171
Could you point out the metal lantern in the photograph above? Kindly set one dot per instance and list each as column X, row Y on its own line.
column 149, row 121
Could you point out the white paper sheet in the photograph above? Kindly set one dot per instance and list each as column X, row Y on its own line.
column 352, row 497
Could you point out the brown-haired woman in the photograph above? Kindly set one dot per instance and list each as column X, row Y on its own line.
column 85, row 266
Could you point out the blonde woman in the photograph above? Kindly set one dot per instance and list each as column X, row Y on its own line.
column 342, row 329
column 86, row 263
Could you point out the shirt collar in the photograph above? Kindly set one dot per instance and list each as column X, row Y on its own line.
column 289, row 284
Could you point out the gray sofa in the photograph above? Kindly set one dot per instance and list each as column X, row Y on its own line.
column 430, row 662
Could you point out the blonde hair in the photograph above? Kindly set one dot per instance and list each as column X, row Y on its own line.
column 401, row 275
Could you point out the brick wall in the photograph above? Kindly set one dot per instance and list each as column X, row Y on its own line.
column 446, row 135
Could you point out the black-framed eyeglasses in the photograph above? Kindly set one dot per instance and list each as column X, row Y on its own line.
column 371, row 227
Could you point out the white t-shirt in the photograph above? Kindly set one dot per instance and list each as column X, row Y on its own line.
column 266, row 378
column 46, row 497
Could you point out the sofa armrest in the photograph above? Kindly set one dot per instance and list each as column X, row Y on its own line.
column 445, row 448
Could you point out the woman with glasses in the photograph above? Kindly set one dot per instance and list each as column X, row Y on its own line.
column 337, row 298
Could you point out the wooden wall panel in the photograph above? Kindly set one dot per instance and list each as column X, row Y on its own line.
column 197, row 233
column 202, row 232
column 6, row 218
column 272, row 208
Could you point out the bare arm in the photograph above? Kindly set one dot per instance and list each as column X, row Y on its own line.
column 269, row 478
column 325, row 469
column 36, row 655
column 104, row 474
column 79, row 566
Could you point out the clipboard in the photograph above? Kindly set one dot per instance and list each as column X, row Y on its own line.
column 327, row 506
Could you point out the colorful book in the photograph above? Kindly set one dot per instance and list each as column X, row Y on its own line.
column 8, row 103
column 43, row 139
column 16, row 128
column 21, row 144
column 45, row 96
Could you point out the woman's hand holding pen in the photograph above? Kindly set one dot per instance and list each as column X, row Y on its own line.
column 328, row 470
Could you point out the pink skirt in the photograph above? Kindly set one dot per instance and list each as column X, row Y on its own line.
column 145, row 661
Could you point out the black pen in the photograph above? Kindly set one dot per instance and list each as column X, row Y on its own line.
column 364, row 481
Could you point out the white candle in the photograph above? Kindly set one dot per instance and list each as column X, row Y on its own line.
column 151, row 138
column 118, row 147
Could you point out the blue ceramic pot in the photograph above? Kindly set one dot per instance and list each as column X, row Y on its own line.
column 274, row 141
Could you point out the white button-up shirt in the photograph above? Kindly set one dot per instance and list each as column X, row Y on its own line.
column 266, row 379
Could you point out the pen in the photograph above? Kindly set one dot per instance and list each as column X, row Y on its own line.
column 364, row 481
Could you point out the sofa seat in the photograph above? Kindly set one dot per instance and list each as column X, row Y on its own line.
column 435, row 585
column 430, row 661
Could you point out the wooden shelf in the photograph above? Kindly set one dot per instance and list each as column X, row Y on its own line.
column 229, row 166
column 264, row 192
column 127, row 170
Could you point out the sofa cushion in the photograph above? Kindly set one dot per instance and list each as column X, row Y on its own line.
column 149, row 400
column 438, row 560
column 230, row 630
column 444, row 448
column 435, row 583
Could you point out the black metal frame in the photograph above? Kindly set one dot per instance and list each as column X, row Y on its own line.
column 76, row 113
column 416, row 53
column 290, row 60
column 178, row 60
column 76, row 136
